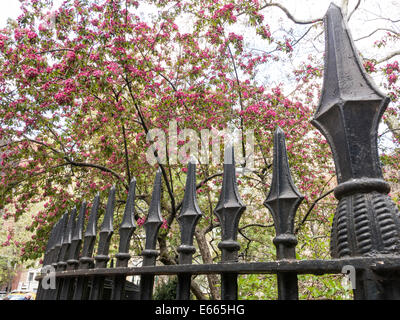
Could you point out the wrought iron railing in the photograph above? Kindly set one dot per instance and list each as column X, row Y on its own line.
column 365, row 231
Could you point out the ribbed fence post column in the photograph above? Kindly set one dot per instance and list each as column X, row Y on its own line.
column 367, row 222
column 282, row 201
column 151, row 226
column 229, row 210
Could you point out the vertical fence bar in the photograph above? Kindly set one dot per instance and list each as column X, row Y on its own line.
column 46, row 259
column 151, row 226
column 86, row 261
column 73, row 254
column 366, row 222
column 106, row 231
column 46, row 292
column 52, row 293
column 126, row 230
column 282, row 201
column 62, row 263
column 229, row 210
column 188, row 218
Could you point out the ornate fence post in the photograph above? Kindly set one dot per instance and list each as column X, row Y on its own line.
column 126, row 230
column 152, row 225
column 86, row 261
column 73, row 254
column 366, row 222
column 188, row 218
column 282, row 201
column 105, row 234
column 229, row 209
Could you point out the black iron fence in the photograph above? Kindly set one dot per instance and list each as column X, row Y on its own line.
column 365, row 231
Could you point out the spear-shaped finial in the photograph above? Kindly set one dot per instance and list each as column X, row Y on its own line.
column 76, row 239
column 126, row 230
column 229, row 209
column 54, row 241
column 282, row 201
column 152, row 225
column 283, row 198
column 66, row 242
column 59, row 241
column 46, row 260
column 50, row 245
column 52, row 255
column 90, row 233
column 154, row 218
column 105, row 234
column 189, row 215
column 60, row 251
column 351, row 106
column 86, row 260
column 106, row 231
column 73, row 253
column 77, row 234
column 127, row 226
column 188, row 218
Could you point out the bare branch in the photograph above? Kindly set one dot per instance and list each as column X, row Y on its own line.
column 96, row 166
column 355, row 8
column 257, row 225
column 126, row 155
column 289, row 15
column 311, row 208
column 389, row 56
column 376, row 30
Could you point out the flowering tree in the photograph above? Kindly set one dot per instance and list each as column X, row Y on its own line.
column 82, row 86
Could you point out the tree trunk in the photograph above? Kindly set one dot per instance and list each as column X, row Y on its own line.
column 205, row 253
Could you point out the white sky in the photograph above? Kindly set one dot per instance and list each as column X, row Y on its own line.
column 8, row 8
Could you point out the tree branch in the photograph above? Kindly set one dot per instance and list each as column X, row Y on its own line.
column 311, row 208
column 164, row 173
column 289, row 15
column 126, row 155
column 96, row 166
column 80, row 164
column 355, row 8
column 389, row 56
column 376, row 30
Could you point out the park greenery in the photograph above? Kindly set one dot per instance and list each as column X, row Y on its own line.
column 82, row 85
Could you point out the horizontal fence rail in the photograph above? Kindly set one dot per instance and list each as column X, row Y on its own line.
column 365, row 232
column 314, row 267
